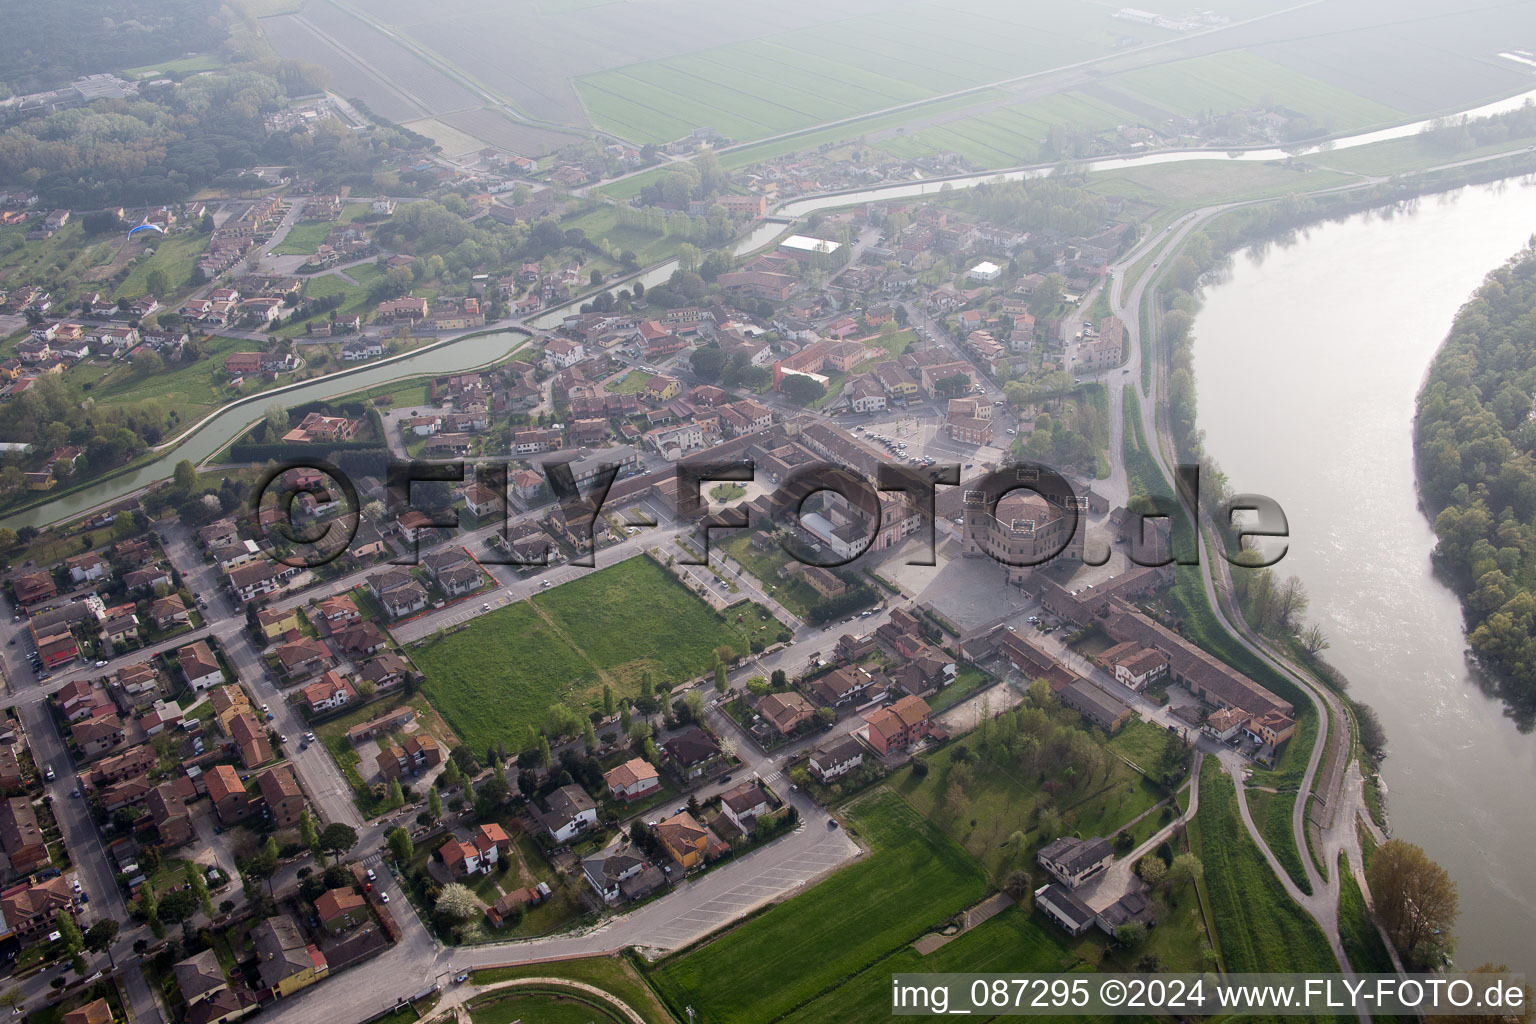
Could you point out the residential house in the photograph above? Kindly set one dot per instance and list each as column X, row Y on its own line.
column 895, row 728
column 693, row 752
column 281, row 794
column 1066, row 910
column 200, row 977
column 304, row 657
column 1073, row 861
column 21, row 838
column 621, row 872
column 684, row 839
column 633, row 780
column 29, row 911
column 743, row 804
column 331, row 692
column 340, row 909
column 168, row 811
column 836, row 759
column 227, row 794
column 284, row 960
column 785, row 711
column 567, row 812
column 96, row 736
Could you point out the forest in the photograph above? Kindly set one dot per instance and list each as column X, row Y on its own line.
column 1474, row 440
column 101, row 34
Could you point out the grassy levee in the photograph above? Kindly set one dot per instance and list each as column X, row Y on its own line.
column 1362, row 942
column 613, row 974
column 1272, row 813
column 913, row 880
column 1261, row 929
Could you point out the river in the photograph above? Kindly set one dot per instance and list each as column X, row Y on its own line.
column 1309, row 358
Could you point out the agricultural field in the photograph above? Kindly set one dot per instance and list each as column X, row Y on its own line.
column 504, row 670
column 1234, row 80
column 1011, row 135
column 804, row 77
column 1257, row 925
column 914, row 879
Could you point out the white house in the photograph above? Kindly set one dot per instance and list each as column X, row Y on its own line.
column 569, row 811
column 985, row 271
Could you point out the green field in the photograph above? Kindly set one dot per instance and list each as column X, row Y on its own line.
column 1012, row 135
column 303, row 239
column 913, row 880
column 505, row 669
column 632, row 383
column 1259, row 928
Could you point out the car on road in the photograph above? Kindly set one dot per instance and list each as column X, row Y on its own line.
column 371, row 876
column 547, row 583
column 282, row 741
column 310, row 737
column 831, row 823
column 383, row 897
column 485, row 607
column 101, row 662
column 48, row 772
column 76, row 883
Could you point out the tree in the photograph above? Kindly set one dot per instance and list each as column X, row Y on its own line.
column 457, row 903
column 1018, row 885
column 1151, row 869
column 194, row 875
column 607, row 701
column 1415, row 898
column 544, row 757
column 722, row 681
column 396, row 795
column 588, row 736
column 1185, row 869
column 70, row 939
column 149, row 910
column 1314, row 640
column 158, row 284
column 802, row 390
column 178, row 906
column 434, row 804
column 337, row 838
column 400, row 846
column 451, row 776
column 824, row 717
column 308, row 834
column 1131, row 933
column 276, row 418
column 100, row 936
column 708, row 362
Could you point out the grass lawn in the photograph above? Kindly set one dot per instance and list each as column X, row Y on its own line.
column 968, row 680
column 1258, row 926
column 914, row 879
column 176, row 254
column 991, row 803
column 505, row 669
column 793, row 593
column 304, row 238
column 632, row 383
column 1139, row 741
column 187, row 389
column 613, row 974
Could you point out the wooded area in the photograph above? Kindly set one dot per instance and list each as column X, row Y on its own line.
column 1475, row 438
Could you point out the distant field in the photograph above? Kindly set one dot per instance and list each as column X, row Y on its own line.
column 505, row 669
column 845, row 68
column 1234, row 80
column 176, row 254
column 913, row 880
column 184, row 66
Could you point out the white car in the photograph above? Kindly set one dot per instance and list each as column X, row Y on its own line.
column 101, row 663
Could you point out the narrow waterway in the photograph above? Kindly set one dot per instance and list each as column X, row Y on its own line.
column 1309, row 357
